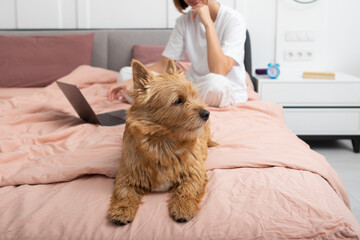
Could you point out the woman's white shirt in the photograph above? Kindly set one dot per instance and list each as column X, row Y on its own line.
column 189, row 37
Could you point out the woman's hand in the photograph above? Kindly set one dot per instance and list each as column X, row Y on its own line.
column 119, row 89
column 204, row 13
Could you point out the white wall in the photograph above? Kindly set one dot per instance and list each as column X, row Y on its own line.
column 277, row 27
column 301, row 35
column 343, row 36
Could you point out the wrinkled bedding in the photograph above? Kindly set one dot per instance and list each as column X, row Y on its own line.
column 57, row 174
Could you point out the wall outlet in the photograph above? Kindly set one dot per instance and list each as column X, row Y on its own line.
column 299, row 55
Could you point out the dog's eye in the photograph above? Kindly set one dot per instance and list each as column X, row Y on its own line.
column 178, row 101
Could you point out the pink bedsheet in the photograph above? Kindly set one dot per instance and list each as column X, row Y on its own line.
column 56, row 174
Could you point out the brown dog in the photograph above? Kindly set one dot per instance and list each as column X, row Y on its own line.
column 164, row 146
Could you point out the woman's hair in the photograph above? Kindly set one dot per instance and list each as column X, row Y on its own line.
column 180, row 5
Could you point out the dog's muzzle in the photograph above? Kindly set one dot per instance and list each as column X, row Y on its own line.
column 204, row 114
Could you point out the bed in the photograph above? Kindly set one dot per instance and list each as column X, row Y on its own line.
column 57, row 172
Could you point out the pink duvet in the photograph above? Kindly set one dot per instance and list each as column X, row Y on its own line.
column 56, row 174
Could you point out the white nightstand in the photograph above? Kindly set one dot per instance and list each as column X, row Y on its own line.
column 316, row 108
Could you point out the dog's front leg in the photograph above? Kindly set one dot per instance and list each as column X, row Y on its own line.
column 124, row 204
column 185, row 202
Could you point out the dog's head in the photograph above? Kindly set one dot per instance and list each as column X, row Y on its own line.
column 167, row 99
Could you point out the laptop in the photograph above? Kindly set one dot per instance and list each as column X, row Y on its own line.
column 84, row 110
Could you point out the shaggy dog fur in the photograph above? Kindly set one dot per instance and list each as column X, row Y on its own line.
column 164, row 146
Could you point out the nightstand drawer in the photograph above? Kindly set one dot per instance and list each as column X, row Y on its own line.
column 311, row 93
column 320, row 121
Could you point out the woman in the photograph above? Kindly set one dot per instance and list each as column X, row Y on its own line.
column 213, row 36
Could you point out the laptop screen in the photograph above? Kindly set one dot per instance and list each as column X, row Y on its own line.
column 78, row 101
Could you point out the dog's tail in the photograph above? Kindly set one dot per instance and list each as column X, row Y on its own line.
column 211, row 143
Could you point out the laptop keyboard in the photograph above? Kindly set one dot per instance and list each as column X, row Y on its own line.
column 109, row 120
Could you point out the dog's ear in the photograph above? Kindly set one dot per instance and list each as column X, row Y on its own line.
column 141, row 75
column 171, row 67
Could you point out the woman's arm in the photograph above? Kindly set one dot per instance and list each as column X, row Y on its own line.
column 217, row 61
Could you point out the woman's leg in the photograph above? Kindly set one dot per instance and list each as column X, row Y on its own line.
column 215, row 90
column 126, row 74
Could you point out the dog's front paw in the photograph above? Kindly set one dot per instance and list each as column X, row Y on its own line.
column 122, row 215
column 119, row 222
column 181, row 220
column 121, row 212
column 183, row 211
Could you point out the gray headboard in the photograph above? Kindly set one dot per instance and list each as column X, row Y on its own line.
column 113, row 47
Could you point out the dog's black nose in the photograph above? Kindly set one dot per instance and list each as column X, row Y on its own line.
column 204, row 114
